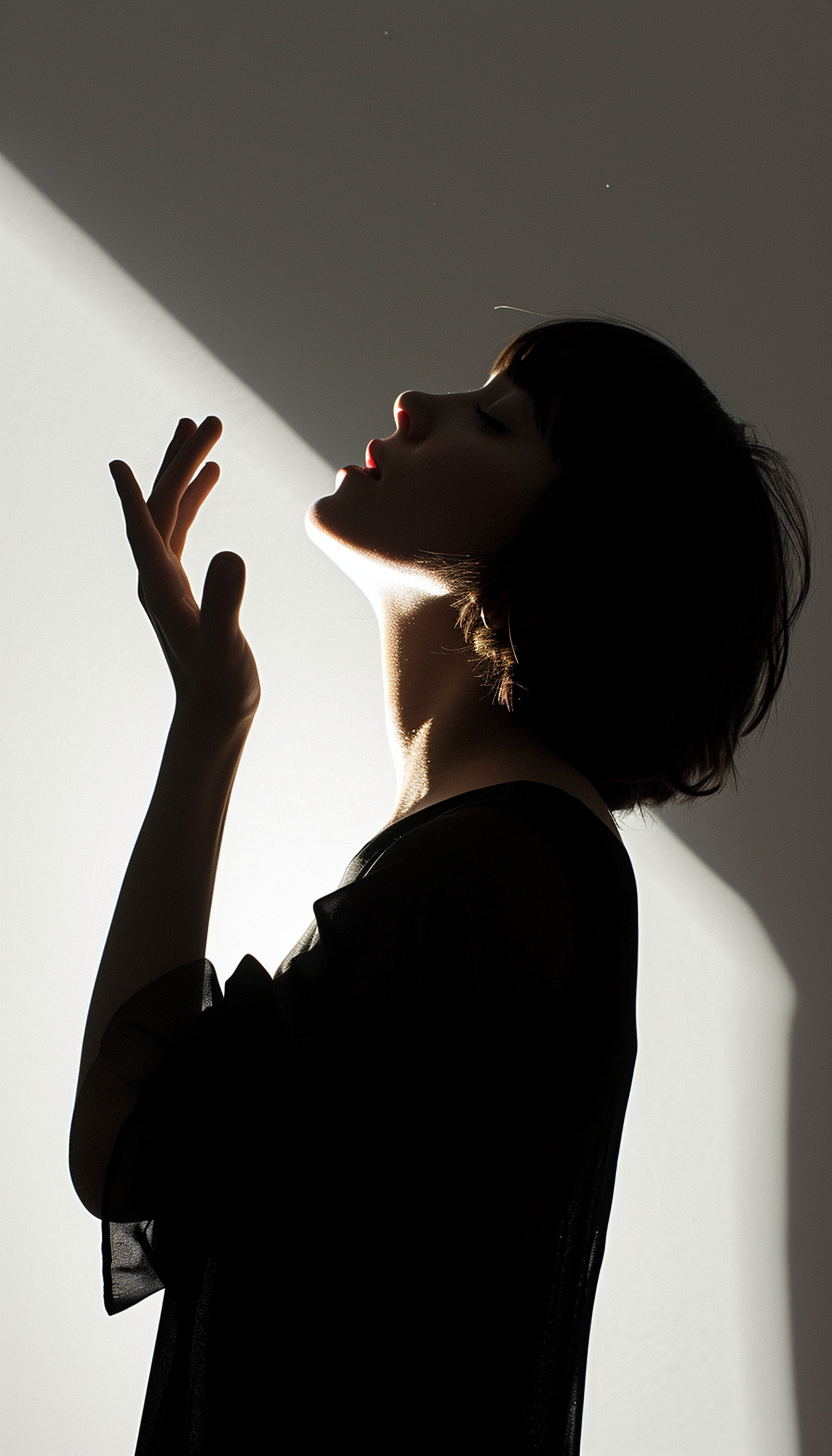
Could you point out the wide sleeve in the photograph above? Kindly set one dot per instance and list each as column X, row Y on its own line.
column 406, row 1031
column 135, row 1042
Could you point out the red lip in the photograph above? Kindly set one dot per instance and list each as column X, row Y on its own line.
column 371, row 460
column 359, row 470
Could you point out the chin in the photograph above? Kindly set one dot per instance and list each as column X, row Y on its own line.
column 318, row 515
column 327, row 532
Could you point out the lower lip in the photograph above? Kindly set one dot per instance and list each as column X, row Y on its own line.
column 353, row 470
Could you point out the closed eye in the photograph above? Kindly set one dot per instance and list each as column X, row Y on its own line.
column 490, row 422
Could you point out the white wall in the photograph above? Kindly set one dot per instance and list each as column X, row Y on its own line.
column 690, row 1350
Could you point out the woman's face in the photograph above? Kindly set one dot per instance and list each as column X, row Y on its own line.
column 453, row 476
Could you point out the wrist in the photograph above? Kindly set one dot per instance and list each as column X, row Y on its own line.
column 208, row 737
column 215, row 722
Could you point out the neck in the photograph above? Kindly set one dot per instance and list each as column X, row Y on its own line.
column 445, row 734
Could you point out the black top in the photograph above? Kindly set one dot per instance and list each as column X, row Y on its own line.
column 376, row 1187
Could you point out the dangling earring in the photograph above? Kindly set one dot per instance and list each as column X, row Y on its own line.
column 486, row 623
column 510, row 638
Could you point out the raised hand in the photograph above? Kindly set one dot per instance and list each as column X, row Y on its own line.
column 211, row 663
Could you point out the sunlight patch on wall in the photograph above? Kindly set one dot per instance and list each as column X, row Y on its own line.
column 690, row 1349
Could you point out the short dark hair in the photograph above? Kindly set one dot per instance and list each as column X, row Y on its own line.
column 650, row 595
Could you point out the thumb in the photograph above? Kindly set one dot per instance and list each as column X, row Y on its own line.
column 222, row 594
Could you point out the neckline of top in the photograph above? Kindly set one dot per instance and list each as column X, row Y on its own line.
column 454, row 800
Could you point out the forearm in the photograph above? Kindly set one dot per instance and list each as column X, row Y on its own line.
column 161, row 917
column 160, row 923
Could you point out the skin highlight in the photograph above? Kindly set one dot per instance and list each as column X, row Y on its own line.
column 457, row 474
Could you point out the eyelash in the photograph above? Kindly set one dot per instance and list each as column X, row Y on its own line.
column 490, row 422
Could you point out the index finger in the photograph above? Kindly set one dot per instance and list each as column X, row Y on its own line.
column 149, row 550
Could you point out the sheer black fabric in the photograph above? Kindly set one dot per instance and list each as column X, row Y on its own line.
column 375, row 1188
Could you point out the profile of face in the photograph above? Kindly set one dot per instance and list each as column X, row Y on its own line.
column 456, row 474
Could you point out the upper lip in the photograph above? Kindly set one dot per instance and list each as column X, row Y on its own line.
column 371, row 457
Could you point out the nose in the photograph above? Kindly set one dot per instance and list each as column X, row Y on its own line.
column 412, row 412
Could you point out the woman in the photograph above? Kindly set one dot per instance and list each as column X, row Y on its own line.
column 376, row 1186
